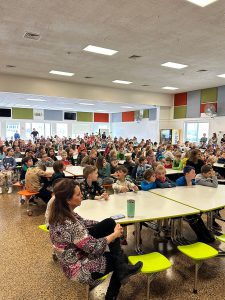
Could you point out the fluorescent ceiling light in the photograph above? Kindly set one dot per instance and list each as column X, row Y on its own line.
column 221, row 75
column 202, row 3
column 170, row 88
column 22, row 105
column 126, row 106
column 38, row 100
column 174, row 65
column 122, row 81
column 100, row 50
column 83, row 103
column 61, row 73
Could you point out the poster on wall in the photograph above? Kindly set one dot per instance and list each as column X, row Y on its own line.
column 38, row 114
column 175, row 136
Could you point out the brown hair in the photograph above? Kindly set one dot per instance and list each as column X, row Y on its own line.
column 60, row 210
column 193, row 155
column 206, row 168
column 58, row 166
column 148, row 173
column 122, row 169
column 88, row 170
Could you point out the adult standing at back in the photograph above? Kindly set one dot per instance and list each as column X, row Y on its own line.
column 16, row 135
column 214, row 139
column 203, row 141
column 34, row 134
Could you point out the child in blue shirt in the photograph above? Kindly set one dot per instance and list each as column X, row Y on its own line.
column 161, row 180
column 149, row 180
column 189, row 177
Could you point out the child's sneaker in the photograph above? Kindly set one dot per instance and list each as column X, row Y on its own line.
column 10, row 190
column 0, row 190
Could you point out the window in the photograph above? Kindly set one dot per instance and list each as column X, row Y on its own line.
column 61, row 129
column 194, row 131
column 11, row 128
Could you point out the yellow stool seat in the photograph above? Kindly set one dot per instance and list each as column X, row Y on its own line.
column 152, row 262
column 198, row 251
column 43, row 227
column 221, row 238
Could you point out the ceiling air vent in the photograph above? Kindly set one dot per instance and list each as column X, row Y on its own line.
column 134, row 56
column 88, row 77
column 202, row 70
column 32, row 36
column 10, row 66
column 145, row 85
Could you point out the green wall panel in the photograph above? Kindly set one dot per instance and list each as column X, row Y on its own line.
column 146, row 113
column 180, row 112
column 209, row 95
column 22, row 113
column 84, row 116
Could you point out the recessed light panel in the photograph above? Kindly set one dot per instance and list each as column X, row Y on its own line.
column 174, row 65
column 202, row 3
column 83, row 103
column 122, row 81
column 37, row 100
column 221, row 75
column 172, row 88
column 126, row 106
column 61, row 73
column 100, row 50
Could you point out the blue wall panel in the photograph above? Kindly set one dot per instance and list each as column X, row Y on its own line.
column 193, row 104
column 117, row 117
column 53, row 115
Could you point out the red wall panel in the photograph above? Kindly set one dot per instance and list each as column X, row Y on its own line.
column 180, row 99
column 128, row 116
column 98, row 117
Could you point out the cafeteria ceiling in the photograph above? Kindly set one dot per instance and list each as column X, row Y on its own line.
column 156, row 30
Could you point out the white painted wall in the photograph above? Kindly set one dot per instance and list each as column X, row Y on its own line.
column 143, row 130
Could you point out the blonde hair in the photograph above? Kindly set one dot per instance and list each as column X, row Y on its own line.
column 160, row 168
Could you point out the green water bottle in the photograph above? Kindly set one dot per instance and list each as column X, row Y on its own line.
column 130, row 208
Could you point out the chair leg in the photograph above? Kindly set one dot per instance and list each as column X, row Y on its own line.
column 197, row 267
column 87, row 292
column 150, row 278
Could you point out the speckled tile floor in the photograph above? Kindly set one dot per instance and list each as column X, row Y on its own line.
column 27, row 271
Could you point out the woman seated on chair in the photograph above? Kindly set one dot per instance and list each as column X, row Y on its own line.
column 81, row 244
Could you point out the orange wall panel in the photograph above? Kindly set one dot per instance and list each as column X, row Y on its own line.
column 98, row 117
column 128, row 116
column 180, row 99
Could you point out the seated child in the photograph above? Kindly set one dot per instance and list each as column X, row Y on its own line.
column 7, row 170
column 45, row 160
column 149, row 180
column 113, row 165
column 161, row 180
column 58, row 168
column 104, row 171
column 141, row 168
column 33, row 182
column 120, row 154
column 207, row 177
column 177, row 162
column 189, row 177
column 122, row 185
column 90, row 187
column 221, row 159
column 27, row 163
column 129, row 164
column 64, row 158
column 168, row 163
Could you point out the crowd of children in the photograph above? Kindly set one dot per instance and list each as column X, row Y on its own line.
column 144, row 164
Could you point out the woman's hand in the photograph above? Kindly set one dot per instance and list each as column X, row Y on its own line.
column 118, row 231
column 135, row 188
